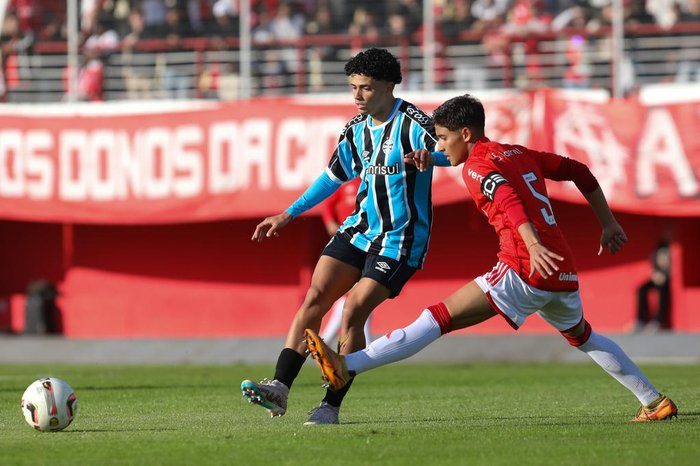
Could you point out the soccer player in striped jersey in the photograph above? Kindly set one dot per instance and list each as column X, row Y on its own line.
column 535, row 272
column 380, row 245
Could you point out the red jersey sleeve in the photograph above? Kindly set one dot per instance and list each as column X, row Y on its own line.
column 486, row 183
column 509, row 202
column 558, row 168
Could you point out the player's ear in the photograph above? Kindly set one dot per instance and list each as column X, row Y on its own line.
column 466, row 134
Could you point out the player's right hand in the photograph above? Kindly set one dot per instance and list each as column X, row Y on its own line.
column 612, row 238
column 422, row 159
column 268, row 227
column 542, row 260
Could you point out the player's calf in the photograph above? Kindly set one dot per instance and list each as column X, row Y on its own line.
column 613, row 360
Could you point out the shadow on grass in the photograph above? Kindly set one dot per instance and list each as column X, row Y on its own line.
column 82, row 388
column 151, row 429
column 137, row 387
column 552, row 421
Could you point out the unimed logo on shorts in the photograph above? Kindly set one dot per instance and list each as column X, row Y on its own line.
column 568, row 277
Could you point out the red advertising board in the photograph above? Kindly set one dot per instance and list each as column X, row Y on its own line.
column 241, row 160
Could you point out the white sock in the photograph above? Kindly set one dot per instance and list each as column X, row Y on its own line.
column 615, row 362
column 397, row 345
column 368, row 335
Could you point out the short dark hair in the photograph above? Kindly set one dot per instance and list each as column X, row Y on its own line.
column 378, row 64
column 459, row 112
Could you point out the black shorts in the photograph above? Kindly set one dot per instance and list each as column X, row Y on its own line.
column 389, row 272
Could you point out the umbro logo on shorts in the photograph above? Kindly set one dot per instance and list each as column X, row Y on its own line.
column 383, row 267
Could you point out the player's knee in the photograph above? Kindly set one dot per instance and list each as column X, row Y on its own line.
column 315, row 301
column 578, row 334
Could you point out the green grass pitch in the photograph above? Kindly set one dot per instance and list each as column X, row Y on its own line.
column 403, row 414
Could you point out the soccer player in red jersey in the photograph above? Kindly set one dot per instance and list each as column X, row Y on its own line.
column 535, row 272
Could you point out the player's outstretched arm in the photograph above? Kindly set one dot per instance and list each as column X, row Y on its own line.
column 319, row 190
column 613, row 237
column 561, row 168
column 269, row 226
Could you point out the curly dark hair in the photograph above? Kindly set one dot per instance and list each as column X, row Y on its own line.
column 378, row 64
column 460, row 112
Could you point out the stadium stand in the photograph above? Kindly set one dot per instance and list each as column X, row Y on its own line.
column 190, row 48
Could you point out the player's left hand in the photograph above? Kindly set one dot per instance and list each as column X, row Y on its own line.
column 612, row 238
column 422, row 159
column 542, row 260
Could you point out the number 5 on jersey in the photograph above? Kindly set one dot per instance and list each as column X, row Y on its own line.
column 547, row 211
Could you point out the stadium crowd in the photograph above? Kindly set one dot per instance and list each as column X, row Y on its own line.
column 290, row 19
column 115, row 26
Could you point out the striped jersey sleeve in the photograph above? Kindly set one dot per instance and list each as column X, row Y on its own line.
column 421, row 134
column 345, row 163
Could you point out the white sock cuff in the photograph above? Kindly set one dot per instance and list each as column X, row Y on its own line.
column 426, row 314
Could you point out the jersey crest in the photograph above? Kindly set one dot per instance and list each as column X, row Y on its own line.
column 388, row 146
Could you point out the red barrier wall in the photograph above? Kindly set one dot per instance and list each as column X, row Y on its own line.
column 167, row 169
column 210, row 280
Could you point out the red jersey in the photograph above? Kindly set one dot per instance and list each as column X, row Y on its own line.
column 341, row 203
column 507, row 184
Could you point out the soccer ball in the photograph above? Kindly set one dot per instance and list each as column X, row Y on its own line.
column 49, row 404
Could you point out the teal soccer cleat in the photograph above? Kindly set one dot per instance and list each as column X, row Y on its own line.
column 268, row 394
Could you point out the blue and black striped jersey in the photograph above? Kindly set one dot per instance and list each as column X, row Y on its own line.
column 393, row 211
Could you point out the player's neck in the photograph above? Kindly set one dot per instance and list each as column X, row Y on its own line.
column 476, row 138
column 382, row 115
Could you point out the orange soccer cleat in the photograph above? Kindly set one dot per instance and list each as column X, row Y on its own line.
column 661, row 409
column 332, row 365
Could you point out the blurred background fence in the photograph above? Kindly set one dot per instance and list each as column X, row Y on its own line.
column 229, row 49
